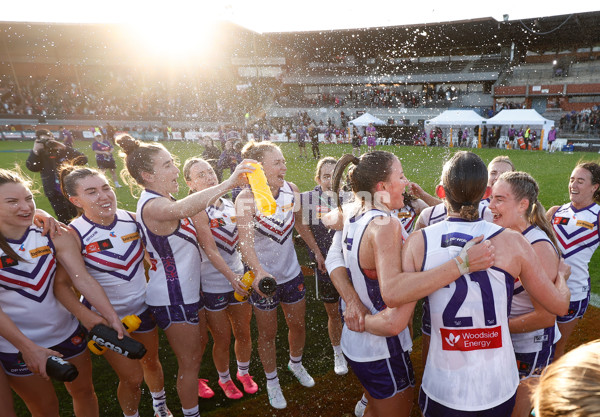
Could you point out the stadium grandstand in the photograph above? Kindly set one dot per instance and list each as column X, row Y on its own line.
column 85, row 75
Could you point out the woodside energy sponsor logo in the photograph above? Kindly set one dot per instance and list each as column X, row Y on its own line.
column 471, row 339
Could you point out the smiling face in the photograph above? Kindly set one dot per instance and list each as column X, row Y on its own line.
column 274, row 166
column 324, row 179
column 164, row 178
column 394, row 185
column 202, row 176
column 495, row 169
column 507, row 210
column 96, row 198
column 16, row 209
column 581, row 189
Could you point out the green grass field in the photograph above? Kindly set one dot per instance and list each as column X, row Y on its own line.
column 422, row 165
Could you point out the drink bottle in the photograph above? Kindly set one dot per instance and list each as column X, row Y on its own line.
column 247, row 280
column 58, row 369
column 131, row 324
column 107, row 337
column 267, row 285
column 263, row 196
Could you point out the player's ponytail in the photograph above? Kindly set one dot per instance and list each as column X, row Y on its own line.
column 338, row 172
column 464, row 178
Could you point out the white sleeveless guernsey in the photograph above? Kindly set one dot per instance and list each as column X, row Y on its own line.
column 536, row 340
column 407, row 216
column 175, row 261
column 578, row 237
column 26, row 292
column 223, row 226
column 435, row 214
column 273, row 238
column 114, row 256
column 471, row 362
column 367, row 347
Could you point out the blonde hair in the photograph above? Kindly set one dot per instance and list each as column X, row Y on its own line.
column 523, row 186
column 571, row 385
column 503, row 159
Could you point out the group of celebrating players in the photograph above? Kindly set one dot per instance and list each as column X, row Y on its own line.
column 490, row 263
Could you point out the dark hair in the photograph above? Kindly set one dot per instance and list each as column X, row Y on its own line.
column 594, row 169
column 69, row 176
column 368, row 170
column 464, row 179
column 43, row 132
column 138, row 157
column 523, row 186
column 323, row 161
column 11, row 177
column 257, row 150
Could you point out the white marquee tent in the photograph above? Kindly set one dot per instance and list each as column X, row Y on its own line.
column 365, row 119
column 451, row 118
column 522, row 118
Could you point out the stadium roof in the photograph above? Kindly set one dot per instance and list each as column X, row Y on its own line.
column 264, row 16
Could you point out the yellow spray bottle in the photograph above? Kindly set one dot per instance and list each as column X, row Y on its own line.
column 263, row 197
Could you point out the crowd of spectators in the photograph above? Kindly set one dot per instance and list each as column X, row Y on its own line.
column 585, row 121
column 374, row 97
column 129, row 95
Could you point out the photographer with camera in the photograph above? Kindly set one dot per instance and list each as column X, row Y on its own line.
column 45, row 157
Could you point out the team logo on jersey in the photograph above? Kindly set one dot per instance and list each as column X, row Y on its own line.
column 321, row 210
column 153, row 263
column 220, row 222
column 130, row 237
column 22, row 248
column 185, row 222
column 98, row 246
column 113, row 234
column 76, row 340
column 587, row 225
column 403, row 215
column 471, row 339
column 540, row 339
column 42, row 250
column 7, row 262
column 561, row 220
column 287, row 207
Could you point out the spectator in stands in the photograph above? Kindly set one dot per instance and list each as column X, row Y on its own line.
column 45, row 157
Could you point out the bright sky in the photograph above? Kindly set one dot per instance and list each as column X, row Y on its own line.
column 284, row 15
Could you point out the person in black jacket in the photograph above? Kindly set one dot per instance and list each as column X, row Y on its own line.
column 45, row 157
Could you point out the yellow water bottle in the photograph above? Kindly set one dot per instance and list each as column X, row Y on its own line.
column 131, row 324
column 246, row 282
column 263, row 196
